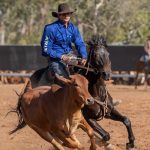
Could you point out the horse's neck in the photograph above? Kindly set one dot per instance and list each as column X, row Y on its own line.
column 97, row 86
column 98, row 89
column 101, row 82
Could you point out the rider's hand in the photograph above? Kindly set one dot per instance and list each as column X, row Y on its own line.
column 83, row 62
column 65, row 58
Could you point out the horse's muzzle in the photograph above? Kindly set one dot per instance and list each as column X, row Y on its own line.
column 106, row 75
column 89, row 101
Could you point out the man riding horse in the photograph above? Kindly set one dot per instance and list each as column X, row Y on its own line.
column 57, row 41
column 145, row 58
column 143, row 65
column 56, row 44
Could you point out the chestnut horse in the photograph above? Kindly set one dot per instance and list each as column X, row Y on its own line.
column 54, row 112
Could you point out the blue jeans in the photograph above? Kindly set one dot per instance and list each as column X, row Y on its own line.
column 58, row 67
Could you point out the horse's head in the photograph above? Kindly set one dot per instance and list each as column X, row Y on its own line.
column 99, row 56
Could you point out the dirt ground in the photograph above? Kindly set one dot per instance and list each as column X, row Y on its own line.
column 135, row 104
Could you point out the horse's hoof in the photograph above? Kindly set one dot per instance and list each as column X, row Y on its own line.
column 129, row 145
column 106, row 137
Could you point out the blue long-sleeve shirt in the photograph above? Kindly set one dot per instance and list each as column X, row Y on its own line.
column 57, row 40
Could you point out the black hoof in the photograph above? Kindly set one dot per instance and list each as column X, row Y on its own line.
column 106, row 137
column 129, row 145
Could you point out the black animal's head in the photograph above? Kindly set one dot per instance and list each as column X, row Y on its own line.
column 99, row 56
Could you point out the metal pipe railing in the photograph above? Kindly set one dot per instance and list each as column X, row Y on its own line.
column 29, row 74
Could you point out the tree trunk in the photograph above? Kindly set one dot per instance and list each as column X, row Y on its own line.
column 2, row 34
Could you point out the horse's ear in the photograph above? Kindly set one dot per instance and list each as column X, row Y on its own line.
column 72, row 79
column 61, row 79
column 89, row 42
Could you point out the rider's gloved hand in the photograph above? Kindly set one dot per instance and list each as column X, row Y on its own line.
column 66, row 58
column 83, row 62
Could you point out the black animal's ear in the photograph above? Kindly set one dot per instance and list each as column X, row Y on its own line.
column 61, row 79
column 90, row 43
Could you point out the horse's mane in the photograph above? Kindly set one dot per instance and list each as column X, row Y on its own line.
column 97, row 40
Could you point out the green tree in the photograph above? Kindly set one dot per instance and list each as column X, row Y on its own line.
column 22, row 21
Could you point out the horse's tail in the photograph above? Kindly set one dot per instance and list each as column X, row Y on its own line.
column 18, row 109
column 21, row 122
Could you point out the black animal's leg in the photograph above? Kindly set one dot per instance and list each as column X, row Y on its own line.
column 136, row 80
column 146, row 81
column 96, row 127
column 115, row 115
column 91, row 113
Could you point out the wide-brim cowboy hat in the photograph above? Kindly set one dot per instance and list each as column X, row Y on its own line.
column 62, row 9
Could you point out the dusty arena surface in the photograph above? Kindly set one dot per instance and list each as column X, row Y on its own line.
column 135, row 104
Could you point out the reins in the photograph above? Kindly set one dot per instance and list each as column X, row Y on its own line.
column 89, row 68
column 82, row 67
column 88, row 65
column 104, row 104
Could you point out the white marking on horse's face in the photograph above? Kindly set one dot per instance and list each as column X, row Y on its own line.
column 102, row 51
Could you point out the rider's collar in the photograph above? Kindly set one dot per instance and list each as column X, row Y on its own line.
column 61, row 24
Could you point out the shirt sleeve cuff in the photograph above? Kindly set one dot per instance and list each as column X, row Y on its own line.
column 58, row 56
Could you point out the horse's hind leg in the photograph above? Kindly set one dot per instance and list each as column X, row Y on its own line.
column 136, row 80
column 48, row 137
column 115, row 115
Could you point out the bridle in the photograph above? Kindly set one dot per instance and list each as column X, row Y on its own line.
column 89, row 65
column 103, row 104
column 90, row 68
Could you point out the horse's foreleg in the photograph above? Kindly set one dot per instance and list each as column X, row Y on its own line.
column 96, row 127
column 136, row 80
column 146, row 80
column 115, row 115
column 68, row 141
column 86, row 127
